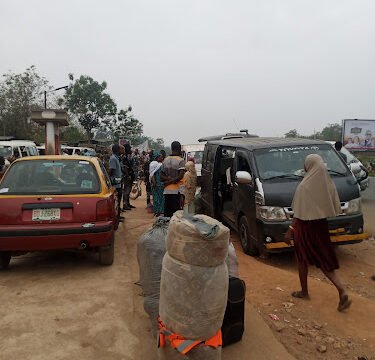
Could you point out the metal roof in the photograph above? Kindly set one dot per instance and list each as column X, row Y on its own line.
column 266, row 142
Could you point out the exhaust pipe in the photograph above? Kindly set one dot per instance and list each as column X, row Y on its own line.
column 83, row 245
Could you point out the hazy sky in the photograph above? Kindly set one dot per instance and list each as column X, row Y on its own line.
column 195, row 68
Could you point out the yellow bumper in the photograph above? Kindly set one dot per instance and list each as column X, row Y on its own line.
column 336, row 239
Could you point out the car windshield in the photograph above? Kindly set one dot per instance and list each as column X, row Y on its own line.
column 196, row 155
column 5, row 151
column 288, row 162
column 51, row 177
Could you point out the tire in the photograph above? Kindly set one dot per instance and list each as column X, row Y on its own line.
column 107, row 254
column 4, row 260
column 248, row 244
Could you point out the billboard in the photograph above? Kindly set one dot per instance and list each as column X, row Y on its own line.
column 359, row 134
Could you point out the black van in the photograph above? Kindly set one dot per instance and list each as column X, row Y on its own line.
column 249, row 184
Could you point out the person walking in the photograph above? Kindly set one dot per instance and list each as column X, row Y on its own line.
column 315, row 200
column 157, row 186
column 172, row 172
column 190, row 185
column 115, row 174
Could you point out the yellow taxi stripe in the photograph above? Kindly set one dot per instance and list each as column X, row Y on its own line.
column 334, row 239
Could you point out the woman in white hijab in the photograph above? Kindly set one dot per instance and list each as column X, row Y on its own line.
column 315, row 200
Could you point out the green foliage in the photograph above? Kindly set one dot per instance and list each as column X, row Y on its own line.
column 19, row 93
column 292, row 134
column 124, row 124
column 87, row 100
column 72, row 134
column 330, row 132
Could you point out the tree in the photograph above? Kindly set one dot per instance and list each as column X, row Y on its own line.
column 292, row 134
column 331, row 132
column 87, row 100
column 72, row 134
column 19, row 93
column 124, row 124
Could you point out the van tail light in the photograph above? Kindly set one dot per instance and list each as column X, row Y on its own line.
column 104, row 210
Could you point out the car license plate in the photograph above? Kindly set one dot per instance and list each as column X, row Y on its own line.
column 46, row 214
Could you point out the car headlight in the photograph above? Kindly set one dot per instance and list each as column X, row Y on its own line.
column 273, row 213
column 354, row 207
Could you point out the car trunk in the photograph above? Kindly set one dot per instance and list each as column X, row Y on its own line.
column 19, row 210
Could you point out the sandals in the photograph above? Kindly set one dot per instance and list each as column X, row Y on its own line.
column 344, row 303
column 300, row 295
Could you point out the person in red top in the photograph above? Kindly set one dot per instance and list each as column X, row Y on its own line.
column 172, row 172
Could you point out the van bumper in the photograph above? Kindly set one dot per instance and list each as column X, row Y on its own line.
column 344, row 230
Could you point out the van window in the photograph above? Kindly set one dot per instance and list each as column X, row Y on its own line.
column 209, row 159
column 16, row 152
column 276, row 162
column 5, row 151
column 243, row 164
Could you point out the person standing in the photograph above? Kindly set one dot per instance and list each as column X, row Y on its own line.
column 338, row 147
column 146, row 173
column 115, row 174
column 129, row 177
column 190, row 185
column 172, row 172
column 157, row 186
column 315, row 200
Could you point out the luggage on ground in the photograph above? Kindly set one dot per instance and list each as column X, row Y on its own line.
column 234, row 318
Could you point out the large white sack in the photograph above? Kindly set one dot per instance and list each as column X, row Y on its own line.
column 197, row 240
column 150, row 253
column 193, row 298
column 198, row 353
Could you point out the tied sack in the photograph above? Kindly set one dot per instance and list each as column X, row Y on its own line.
column 150, row 253
column 197, row 240
column 193, row 298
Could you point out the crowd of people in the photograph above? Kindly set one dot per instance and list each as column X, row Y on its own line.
column 170, row 181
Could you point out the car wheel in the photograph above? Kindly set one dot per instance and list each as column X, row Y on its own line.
column 4, row 260
column 107, row 254
column 248, row 244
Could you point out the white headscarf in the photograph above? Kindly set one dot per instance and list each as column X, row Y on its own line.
column 154, row 167
column 316, row 196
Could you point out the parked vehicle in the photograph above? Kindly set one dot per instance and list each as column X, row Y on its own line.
column 76, row 150
column 357, row 168
column 194, row 151
column 18, row 148
column 57, row 202
column 249, row 184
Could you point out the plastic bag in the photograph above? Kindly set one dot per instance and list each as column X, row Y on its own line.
column 150, row 253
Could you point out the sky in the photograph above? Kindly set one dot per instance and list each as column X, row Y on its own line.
column 205, row 67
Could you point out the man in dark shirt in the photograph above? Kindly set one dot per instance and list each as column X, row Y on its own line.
column 129, row 177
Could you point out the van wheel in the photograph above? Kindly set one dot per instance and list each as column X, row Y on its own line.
column 107, row 254
column 248, row 244
column 4, row 260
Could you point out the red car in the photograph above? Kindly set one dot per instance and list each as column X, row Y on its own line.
column 57, row 202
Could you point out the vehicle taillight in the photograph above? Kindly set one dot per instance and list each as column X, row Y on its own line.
column 104, row 210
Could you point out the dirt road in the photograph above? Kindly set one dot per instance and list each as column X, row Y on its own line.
column 63, row 305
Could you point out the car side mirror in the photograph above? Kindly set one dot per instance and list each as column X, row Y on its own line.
column 243, row 177
column 355, row 168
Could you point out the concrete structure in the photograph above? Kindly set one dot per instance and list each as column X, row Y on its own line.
column 52, row 119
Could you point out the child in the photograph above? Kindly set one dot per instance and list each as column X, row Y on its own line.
column 190, row 185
